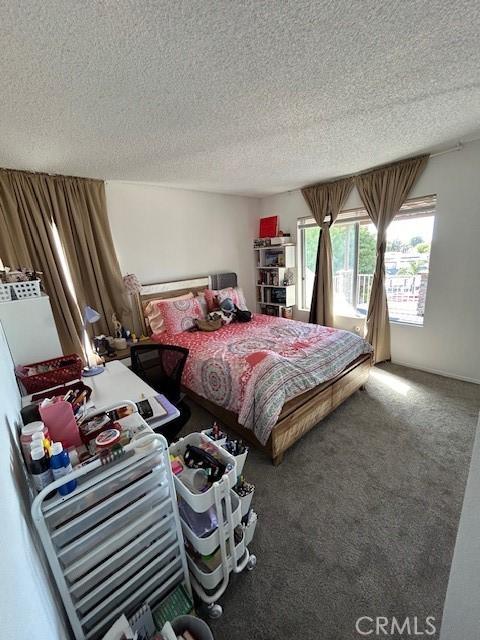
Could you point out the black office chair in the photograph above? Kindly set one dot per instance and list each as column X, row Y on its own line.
column 161, row 366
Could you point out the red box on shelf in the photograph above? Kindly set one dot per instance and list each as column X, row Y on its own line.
column 269, row 227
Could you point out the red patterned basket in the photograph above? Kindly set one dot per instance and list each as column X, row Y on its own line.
column 59, row 371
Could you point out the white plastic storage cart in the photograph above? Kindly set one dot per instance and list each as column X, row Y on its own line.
column 234, row 555
column 246, row 500
column 115, row 542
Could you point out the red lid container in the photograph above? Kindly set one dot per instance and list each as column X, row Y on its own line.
column 107, row 439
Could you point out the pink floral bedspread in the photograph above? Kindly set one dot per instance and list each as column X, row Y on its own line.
column 252, row 369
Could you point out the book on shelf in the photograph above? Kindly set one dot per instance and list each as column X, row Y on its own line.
column 269, row 278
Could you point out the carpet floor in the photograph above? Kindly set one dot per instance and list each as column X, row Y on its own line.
column 361, row 517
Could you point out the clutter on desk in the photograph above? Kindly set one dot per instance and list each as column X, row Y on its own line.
column 59, row 417
column 103, row 346
column 60, row 465
column 26, row 436
column 40, row 469
column 49, row 373
column 152, row 408
column 66, row 436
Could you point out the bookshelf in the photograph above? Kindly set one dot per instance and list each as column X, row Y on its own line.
column 275, row 274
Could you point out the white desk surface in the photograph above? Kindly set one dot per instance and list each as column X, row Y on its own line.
column 115, row 384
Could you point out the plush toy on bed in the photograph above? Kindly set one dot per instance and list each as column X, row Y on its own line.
column 227, row 313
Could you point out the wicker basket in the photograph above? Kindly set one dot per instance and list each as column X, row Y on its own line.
column 60, row 370
column 28, row 289
column 5, row 293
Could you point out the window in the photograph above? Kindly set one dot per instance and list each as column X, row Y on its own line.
column 354, row 240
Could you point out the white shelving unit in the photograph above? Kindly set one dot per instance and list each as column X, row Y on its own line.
column 116, row 541
column 275, row 271
column 234, row 555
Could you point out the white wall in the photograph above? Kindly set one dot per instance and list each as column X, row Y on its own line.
column 165, row 234
column 27, row 607
column 449, row 341
column 462, row 602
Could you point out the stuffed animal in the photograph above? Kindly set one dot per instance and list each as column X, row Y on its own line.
column 226, row 313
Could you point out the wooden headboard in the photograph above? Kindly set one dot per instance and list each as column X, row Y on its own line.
column 162, row 290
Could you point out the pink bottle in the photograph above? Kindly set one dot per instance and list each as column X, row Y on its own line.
column 58, row 417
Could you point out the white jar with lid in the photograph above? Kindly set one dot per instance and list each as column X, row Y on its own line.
column 26, row 436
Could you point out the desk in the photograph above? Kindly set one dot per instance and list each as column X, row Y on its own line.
column 118, row 383
column 124, row 354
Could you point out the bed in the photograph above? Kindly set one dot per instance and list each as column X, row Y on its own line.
column 270, row 380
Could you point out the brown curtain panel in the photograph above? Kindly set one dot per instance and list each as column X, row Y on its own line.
column 27, row 239
column 383, row 191
column 80, row 213
column 30, row 204
column 325, row 200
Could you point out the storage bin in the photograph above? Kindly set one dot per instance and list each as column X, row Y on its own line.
column 209, row 580
column 5, row 293
column 62, row 390
column 240, row 460
column 202, row 501
column 60, row 370
column 208, row 544
column 245, row 502
column 198, row 628
column 28, row 289
column 220, row 441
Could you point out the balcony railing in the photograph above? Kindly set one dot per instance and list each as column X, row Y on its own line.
column 405, row 294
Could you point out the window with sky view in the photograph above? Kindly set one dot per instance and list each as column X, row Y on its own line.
column 407, row 260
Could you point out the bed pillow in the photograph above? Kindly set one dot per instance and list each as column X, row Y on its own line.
column 153, row 313
column 213, row 298
column 180, row 315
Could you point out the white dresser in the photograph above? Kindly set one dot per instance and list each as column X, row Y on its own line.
column 30, row 329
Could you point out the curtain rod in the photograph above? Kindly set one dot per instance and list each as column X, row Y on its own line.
column 48, row 175
column 458, row 147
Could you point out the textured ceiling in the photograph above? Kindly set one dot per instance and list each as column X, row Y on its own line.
column 242, row 97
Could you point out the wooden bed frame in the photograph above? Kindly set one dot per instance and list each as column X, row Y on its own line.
column 298, row 415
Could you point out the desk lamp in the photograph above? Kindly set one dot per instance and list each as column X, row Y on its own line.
column 90, row 316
